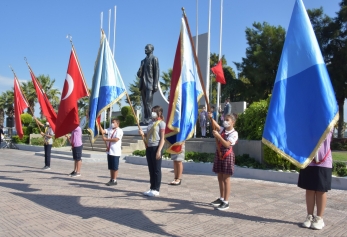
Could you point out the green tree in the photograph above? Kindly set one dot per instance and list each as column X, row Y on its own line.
column 6, row 102
column 135, row 93
column 265, row 43
column 331, row 35
column 165, row 83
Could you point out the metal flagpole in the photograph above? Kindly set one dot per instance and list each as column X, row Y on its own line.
column 102, row 17
column 114, row 30
column 208, row 53
column 109, row 24
column 220, row 56
column 196, row 42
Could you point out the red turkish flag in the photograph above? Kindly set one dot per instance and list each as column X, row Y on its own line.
column 74, row 89
column 46, row 106
column 20, row 104
column 218, row 71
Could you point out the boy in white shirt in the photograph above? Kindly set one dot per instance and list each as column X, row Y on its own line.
column 114, row 149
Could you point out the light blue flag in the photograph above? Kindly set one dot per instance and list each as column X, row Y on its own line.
column 303, row 106
column 185, row 92
column 107, row 88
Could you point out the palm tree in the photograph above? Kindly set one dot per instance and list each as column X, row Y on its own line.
column 6, row 102
column 165, row 85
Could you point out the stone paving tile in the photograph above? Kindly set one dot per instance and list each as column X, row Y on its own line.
column 49, row 203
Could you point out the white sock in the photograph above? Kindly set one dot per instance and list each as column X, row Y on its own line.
column 114, row 180
column 226, row 202
column 222, row 199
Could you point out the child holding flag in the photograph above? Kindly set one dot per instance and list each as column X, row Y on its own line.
column 316, row 179
column 155, row 143
column 225, row 159
column 114, row 149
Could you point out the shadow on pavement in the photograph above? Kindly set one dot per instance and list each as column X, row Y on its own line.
column 71, row 205
column 19, row 186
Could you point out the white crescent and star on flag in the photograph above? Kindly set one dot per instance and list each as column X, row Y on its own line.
column 70, row 86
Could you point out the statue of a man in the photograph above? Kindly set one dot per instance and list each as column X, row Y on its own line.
column 149, row 79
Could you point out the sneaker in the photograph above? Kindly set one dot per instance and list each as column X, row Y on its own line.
column 111, row 183
column 317, row 223
column 75, row 174
column 223, row 206
column 153, row 193
column 46, row 168
column 72, row 173
column 307, row 223
column 216, row 203
column 147, row 192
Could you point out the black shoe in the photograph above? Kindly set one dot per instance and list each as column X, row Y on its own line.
column 72, row 173
column 111, row 183
column 223, row 206
column 46, row 168
column 216, row 203
column 75, row 174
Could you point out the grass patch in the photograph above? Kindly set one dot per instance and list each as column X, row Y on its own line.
column 339, row 156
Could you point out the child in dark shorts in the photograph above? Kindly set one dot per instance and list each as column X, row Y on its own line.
column 316, row 179
column 224, row 161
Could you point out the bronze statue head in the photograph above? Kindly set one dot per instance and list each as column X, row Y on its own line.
column 149, row 49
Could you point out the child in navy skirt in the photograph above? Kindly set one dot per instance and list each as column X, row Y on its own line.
column 316, row 179
column 224, row 161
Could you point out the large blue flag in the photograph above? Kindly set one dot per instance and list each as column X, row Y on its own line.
column 303, row 106
column 185, row 92
column 107, row 88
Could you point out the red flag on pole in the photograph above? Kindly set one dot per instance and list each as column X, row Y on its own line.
column 20, row 104
column 74, row 89
column 218, row 71
column 46, row 106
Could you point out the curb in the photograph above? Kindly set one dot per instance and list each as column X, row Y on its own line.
column 247, row 173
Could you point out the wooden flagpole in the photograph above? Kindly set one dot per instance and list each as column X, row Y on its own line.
column 200, row 75
column 137, row 121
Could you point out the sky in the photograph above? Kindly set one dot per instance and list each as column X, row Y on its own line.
column 37, row 30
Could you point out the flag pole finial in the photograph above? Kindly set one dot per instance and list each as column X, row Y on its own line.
column 70, row 39
column 184, row 13
column 26, row 60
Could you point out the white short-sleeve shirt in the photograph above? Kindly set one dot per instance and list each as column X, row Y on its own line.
column 115, row 147
column 232, row 135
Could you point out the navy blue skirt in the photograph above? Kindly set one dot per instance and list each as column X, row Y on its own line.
column 315, row 178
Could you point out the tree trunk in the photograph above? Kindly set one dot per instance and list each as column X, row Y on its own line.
column 341, row 130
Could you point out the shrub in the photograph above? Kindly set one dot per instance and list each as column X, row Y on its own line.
column 121, row 118
column 26, row 119
column 35, row 131
column 37, row 141
column 59, row 142
column 126, row 110
column 246, row 160
column 139, row 153
column 130, row 120
column 199, row 156
column 275, row 160
column 24, row 140
column 250, row 124
column 337, row 165
column 342, row 172
column 27, row 130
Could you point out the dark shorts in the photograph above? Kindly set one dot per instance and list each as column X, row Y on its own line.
column 77, row 153
column 113, row 162
column 315, row 178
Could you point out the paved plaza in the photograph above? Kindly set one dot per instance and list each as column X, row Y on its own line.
column 34, row 202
